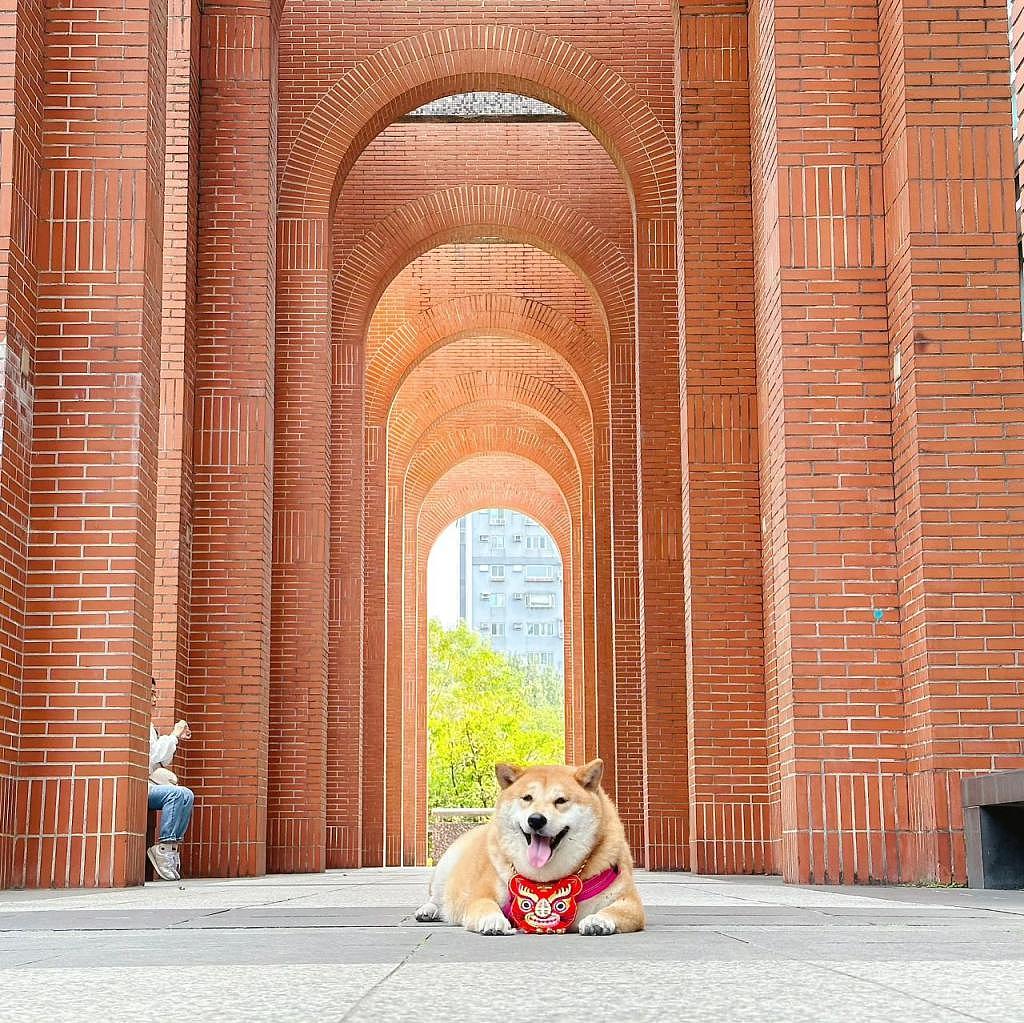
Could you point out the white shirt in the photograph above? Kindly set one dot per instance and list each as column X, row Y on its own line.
column 161, row 749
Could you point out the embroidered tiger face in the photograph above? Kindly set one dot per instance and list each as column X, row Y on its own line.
column 538, row 908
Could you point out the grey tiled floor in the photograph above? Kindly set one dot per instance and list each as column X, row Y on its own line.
column 344, row 946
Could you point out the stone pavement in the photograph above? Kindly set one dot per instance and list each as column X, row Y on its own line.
column 344, row 946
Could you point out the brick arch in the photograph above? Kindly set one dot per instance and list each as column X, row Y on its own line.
column 491, row 428
column 468, row 212
column 400, row 77
column 494, row 481
column 421, row 403
column 405, row 610
column 486, row 480
column 499, row 315
column 450, row 273
column 412, row 416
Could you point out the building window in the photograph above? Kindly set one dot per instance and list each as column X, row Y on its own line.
column 540, row 628
column 546, row 660
column 496, row 599
column 496, row 517
column 497, row 573
column 483, row 537
column 540, row 573
column 536, row 542
column 497, row 542
column 497, row 629
column 540, row 600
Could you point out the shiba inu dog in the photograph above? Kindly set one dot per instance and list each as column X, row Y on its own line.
column 553, row 858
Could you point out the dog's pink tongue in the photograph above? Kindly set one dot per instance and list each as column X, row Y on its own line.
column 539, row 852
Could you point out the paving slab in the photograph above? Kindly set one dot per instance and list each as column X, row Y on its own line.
column 344, row 946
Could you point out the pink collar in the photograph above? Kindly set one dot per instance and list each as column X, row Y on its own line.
column 585, row 890
column 593, row 886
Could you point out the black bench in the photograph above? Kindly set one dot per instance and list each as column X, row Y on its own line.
column 994, row 829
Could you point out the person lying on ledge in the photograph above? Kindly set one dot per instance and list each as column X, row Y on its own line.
column 174, row 801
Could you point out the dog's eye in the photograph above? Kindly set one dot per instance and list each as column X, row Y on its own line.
column 561, row 801
column 527, row 798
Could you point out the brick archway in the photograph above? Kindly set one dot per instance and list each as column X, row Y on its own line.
column 467, row 212
column 442, row 427
column 507, row 59
column 459, row 214
column 490, row 316
column 319, row 417
column 483, row 480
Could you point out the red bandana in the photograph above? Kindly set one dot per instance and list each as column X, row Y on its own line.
column 534, row 907
column 538, row 908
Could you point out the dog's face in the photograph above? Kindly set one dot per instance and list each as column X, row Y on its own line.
column 549, row 819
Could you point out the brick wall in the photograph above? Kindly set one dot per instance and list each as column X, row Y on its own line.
column 743, row 331
column 94, row 427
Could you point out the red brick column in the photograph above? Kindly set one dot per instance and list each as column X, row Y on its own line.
column 21, row 85
column 177, row 365
column 728, row 765
column 231, row 559
column 296, row 797
column 834, row 677
column 398, row 711
column 346, row 735
column 663, row 766
column 373, row 682
column 623, row 731
column 601, row 688
column 958, row 406
column 81, row 788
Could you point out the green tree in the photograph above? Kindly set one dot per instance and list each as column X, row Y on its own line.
column 483, row 708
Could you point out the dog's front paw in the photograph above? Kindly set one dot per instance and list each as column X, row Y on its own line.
column 597, row 923
column 493, row 923
column 428, row 913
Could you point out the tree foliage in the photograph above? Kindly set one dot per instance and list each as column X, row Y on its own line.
column 483, row 708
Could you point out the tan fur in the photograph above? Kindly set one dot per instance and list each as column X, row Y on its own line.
column 471, row 881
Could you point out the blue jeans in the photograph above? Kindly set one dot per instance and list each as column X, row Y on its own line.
column 175, row 805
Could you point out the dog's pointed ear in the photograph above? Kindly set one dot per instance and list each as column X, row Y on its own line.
column 589, row 775
column 507, row 774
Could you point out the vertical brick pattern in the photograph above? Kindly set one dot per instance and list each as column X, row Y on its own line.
column 21, row 93
column 349, row 826
column 296, row 806
column 726, row 728
column 177, row 366
column 227, row 696
column 80, row 802
column 662, row 702
column 827, row 498
column 957, row 392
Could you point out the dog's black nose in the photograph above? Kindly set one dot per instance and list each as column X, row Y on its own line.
column 536, row 821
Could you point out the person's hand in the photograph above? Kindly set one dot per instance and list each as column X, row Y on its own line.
column 181, row 730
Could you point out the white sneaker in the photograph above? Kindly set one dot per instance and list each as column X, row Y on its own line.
column 163, row 858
